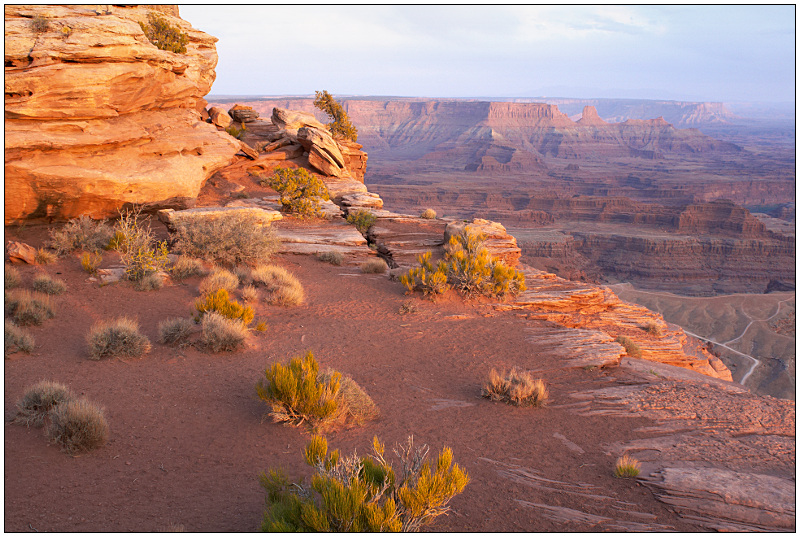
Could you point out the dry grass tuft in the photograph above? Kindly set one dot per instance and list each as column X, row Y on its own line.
column 44, row 257
column 374, row 266
column 249, row 294
column 119, row 337
column 149, row 282
column 243, row 273
column 221, row 334
column 90, row 261
column 282, row 287
column 78, row 426
column 38, row 400
column 50, row 286
column 186, row 267
column 652, row 328
column 16, row 340
column 175, row 331
column 12, row 276
column 626, row 466
column 428, row 214
column 631, row 348
column 517, row 388
column 28, row 308
column 219, row 279
column 355, row 405
column 334, row 258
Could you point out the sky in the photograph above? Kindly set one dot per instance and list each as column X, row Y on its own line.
column 698, row 53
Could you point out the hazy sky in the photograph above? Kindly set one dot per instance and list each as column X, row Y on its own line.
column 710, row 53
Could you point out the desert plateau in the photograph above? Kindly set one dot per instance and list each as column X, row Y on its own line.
column 555, row 314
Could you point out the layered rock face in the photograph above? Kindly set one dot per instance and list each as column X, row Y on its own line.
column 96, row 116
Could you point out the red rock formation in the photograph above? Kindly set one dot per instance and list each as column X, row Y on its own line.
column 97, row 116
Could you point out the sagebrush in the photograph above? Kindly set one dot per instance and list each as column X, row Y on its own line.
column 334, row 258
column 428, row 214
column 12, row 277
column 219, row 279
column 16, row 340
column 363, row 494
column 117, row 337
column 77, row 426
column 81, row 233
column 49, row 285
column 39, row 399
column 231, row 239
column 220, row 334
column 186, row 267
column 374, row 266
column 175, row 331
column 281, row 286
column 28, row 307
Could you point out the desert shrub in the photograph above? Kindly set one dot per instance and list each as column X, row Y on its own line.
column 363, row 494
column 141, row 254
column 362, row 219
column 283, row 288
column 407, row 307
column 626, row 466
column 231, row 239
column 429, row 214
column 175, row 331
column 516, row 387
column 38, row 400
column 301, row 192
column 39, row 24
column 299, row 392
column 50, row 286
column 90, row 261
column 374, row 266
column 118, row 337
column 219, row 279
column 340, row 127
column 243, row 273
column 220, row 302
column 186, row 267
column 468, row 267
column 334, row 258
column 221, row 334
column 430, row 279
column 12, row 277
column 28, row 308
column 261, row 327
column 249, row 293
column 653, row 329
column 80, row 234
column 150, row 282
column 16, row 339
column 163, row 35
column 236, row 132
column 44, row 257
column 631, row 348
column 77, row 425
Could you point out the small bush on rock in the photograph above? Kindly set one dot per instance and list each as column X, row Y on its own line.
column 231, row 239
column 517, row 388
column 163, row 35
column 220, row 302
column 626, row 466
column 28, row 308
column 362, row 219
column 38, row 400
column 50, row 286
column 334, row 258
column 16, row 339
column 119, row 337
column 221, row 334
column 80, row 234
column 653, row 329
column 340, row 128
column 78, row 426
column 429, row 214
column 40, row 24
column 175, row 331
column 631, row 348
column 301, row 192
column 363, row 494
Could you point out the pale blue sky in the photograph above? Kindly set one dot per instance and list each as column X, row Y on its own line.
column 710, row 53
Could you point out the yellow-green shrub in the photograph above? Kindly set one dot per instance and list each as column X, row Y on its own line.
column 340, row 127
column 163, row 35
column 301, row 192
column 362, row 219
column 626, row 466
column 220, row 302
column 141, row 254
column 363, row 494
column 90, row 261
column 430, row 279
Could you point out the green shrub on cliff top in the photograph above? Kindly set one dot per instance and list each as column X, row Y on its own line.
column 340, row 127
column 163, row 35
column 301, row 192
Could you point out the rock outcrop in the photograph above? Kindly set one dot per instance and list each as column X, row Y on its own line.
column 96, row 116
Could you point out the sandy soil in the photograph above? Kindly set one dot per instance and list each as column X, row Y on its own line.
column 188, row 438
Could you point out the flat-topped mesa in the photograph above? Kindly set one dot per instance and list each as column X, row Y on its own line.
column 96, row 116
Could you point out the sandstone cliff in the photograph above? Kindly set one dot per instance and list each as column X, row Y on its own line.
column 96, row 116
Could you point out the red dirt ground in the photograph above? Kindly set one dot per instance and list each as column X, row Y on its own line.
column 187, row 436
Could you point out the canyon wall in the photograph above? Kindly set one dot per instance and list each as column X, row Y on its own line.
column 97, row 116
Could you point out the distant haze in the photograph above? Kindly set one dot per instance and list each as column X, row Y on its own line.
column 698, row 53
